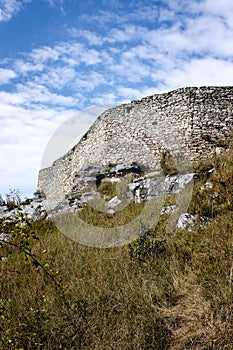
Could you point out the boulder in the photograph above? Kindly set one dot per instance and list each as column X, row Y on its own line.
column 89, row 196
column 113, row 203
column 206, row 186
column 178, row 182
column 91, row 170
column 169, row 209
column 125, row 168
column 185, row 220
column 4, row 237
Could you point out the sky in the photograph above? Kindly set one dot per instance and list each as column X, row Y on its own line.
column 61, row 57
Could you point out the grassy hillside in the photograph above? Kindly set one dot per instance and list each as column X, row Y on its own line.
column 163, row 291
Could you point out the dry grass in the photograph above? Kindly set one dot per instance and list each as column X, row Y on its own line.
column 172, row 292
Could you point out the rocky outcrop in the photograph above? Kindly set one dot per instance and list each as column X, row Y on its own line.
column 191, row 122
column 135, row 186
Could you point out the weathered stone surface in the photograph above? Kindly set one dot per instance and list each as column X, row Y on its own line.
column 206, row 186
column 114, row 202
column 92, row 170
column 176, row 183
column 39, row 196
column 84, row 181
column 146, row 189
column 149, row 189
column 188, row 121
column 3, row 211
column 34, row 211
column 185, row 220
column 219, row 150
column 89, row 196
column 125, row 168
column 168, row 210
column 4, row 237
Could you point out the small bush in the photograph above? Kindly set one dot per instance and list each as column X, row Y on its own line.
column 167, row 164
column 107, row 189
column 13, row 199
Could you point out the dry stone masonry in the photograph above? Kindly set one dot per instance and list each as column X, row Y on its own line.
column 188, row 122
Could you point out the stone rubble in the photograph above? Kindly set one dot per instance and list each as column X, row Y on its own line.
column 185, row 220
column 145, row 187
column 206, row 186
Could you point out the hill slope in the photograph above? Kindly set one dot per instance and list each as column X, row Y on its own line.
column 163, row 291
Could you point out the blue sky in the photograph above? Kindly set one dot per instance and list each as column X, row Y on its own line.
column 58, row 57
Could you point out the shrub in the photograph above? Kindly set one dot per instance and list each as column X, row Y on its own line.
column 13, row 199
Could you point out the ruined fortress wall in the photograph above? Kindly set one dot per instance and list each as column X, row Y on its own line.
column 188, row 121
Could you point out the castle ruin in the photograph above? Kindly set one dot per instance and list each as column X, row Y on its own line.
column 193, row 121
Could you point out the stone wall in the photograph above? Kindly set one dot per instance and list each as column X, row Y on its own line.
column 189, row 122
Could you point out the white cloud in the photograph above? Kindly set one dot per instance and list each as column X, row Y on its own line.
column 24, row 68
column 133, row 71
column 88, row 82
column 223, row 8
column 199, row 72
column 128, row 93
column 6, row 75
column 55, row 2
column 10, row 98
column 104, row 18
column 72, row 53
column 32, row 93
column 9, row 8
column 41, row 55
column 91, row 37
column 104, row 99
column 57, row 78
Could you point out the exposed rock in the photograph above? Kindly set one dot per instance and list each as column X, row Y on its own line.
column 39, row 196
column 185, row 220
column 206, row 186
column 113, row 203
column 204, row 220
column 188, row 121
column 89, row 196
column 145, row 189
column 111, row 180
column 169, row 209
column 3, row 211
column 27, row 201
column 214, row 195
column 178, row 182
column 219, row 150
column 89, row 176
column 4, row 237
column 85, row 181
column 40, row 213
column 125, row 168
column 150, row 189
column 92, row 170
